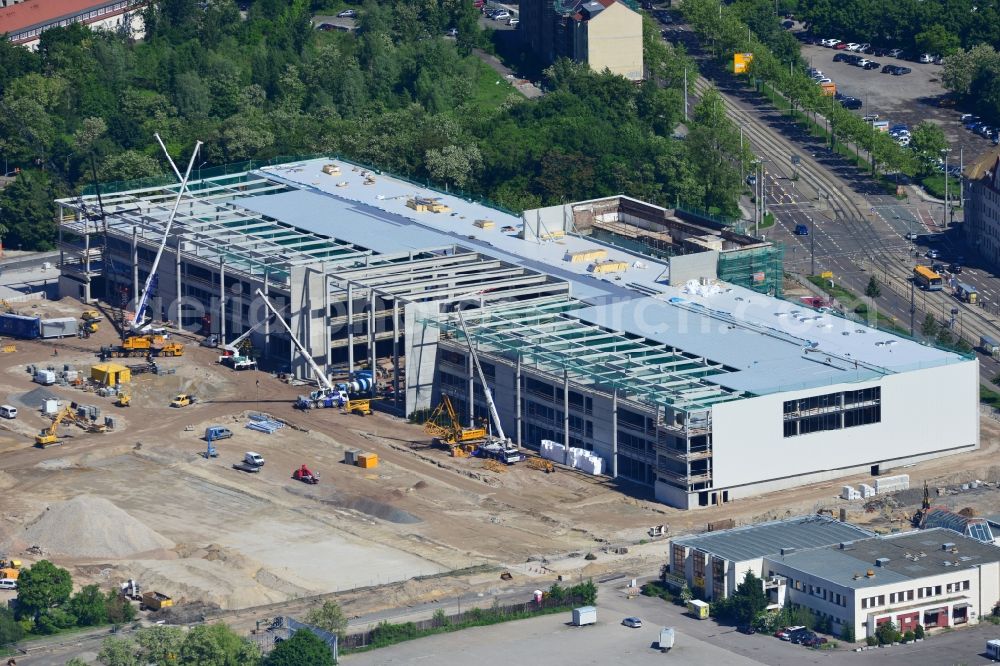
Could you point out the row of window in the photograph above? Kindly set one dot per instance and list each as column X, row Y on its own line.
column 832, row 401
column 836, row 421
column 815, row 590
column 919, row 593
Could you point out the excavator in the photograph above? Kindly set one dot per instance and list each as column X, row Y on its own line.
column 444, row 426
column 50, row 436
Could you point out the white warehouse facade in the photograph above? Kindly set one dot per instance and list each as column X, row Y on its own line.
column 680, row 368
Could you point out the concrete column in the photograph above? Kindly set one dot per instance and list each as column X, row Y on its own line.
column 222, row 300
column 565, row 417
column 371, row 331
column 326, row 320
column 517, row 399
column 135, row 262
column 86, row 262
column 395, row 352
column 472, row 390
column 177, row 270
column 350, row 327
column 267, row 319
column 614, row 434
column 62, row 253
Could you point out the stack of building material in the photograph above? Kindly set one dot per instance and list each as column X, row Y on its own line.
column 867, row 491
column 577, row 458
column 890, row 484
column 849, row 493
column 262, row 423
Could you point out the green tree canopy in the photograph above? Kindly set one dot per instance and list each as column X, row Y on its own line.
column 304, row 647
column 42, row 586
column 329, row 617
column 217, row 645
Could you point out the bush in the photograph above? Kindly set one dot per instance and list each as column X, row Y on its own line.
column 847, row 633
column 908, row 636
column 919, row 631
column 887, row 633
column 657, row 589
column 871, row 641
column 590, row 556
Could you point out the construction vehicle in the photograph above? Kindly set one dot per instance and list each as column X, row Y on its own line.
column 231, row 352
column 88, row 328
column 305, row 475
column 360, row 406
column 49, row 436
column 183, row 400
column 130, row 590
column 124, row 400
column 143, row 345
column 252, row 462
column 155, row 601
column 445, row 427
column 10, row 569
column 91, row 315
column 327, row 395
column 497, row 447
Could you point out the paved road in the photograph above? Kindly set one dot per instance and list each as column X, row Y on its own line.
column 855, row 227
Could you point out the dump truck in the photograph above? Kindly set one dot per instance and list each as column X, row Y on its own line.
column 155, row 601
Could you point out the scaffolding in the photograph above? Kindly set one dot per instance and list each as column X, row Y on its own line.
column 758, row 268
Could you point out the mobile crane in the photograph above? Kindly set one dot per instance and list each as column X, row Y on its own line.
column 499, row 447
column 445, row 426
column 231, row 355
column 326, row 392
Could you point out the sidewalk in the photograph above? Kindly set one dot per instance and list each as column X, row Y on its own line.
column 523, row 86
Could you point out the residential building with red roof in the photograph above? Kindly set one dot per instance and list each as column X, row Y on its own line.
column 25, row 21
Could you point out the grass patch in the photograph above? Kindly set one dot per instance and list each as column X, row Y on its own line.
column 853, row 303
column 935, row 185
column 490, row 89
column 988, row 397
column 657, row 589
column 768, row 221
column 386, row 634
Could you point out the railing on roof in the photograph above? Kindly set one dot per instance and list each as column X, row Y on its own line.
column 239, row 168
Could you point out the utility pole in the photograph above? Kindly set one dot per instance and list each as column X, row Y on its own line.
column 913, row 308
column 812, row 246
column 944, row 221
column 961, row 176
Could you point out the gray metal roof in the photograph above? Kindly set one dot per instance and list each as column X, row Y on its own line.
column 753, row 541
column 910, row 555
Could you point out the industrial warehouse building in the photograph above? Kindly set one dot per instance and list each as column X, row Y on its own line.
column 935, row 577
column 611, row 325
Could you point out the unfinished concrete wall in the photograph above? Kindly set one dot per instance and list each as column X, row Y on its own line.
column 693, row 266
column 421, row 344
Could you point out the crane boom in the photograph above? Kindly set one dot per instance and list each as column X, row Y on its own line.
column 234, row 345
column 482, row 379
column 321, row 377
column 140, row 311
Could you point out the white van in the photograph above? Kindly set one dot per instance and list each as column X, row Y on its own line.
column 8, row 412
column 8, row 584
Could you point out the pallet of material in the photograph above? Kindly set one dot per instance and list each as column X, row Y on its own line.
column 587, row 256
column 602, row 267
column 485, row 224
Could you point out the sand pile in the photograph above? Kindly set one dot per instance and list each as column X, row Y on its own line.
column 88, row 526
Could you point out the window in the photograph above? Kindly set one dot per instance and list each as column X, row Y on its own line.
column 881, row 600
column 965, row 585
column 937, row 589
column 909, row 595
column 832, row 411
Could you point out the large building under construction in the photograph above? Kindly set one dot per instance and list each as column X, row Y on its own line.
column 660, row 344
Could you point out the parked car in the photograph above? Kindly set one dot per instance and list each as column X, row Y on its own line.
column 888, row 69
column 839, row 57
column 933, row 254
column 871, row 64
column 326, row 27
column 786, row 633
column 452, row 32
column 501, row 16
column 512, row 22
column 880, row 51
column 851, row 46
column 895, row 53
column 746, row 629
column 841, row 46
column 633, row 622
column 926, row 58
column 813, row 641
column 347, row 13
column 852, row 103
column 900, row 71
column 829, row 43
column 870, row 117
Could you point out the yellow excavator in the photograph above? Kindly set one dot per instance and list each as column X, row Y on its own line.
column 50, row 436
column 444, row 426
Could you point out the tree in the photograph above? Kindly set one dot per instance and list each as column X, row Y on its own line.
column 329, row 617
column 963, row 68
column 938, row 40
column 217, row 645
column 873, row 290
column 159, row 644
column 930, row 327
column 887, row 633
column 119, row 610
column 927, row 142
column 847, row 633
column 42, row 586
column 919, row 632
column 76, row 661
column 89, row 606
column 304, row 647
column 118, row 652
column 10, row 630
column 453, row 164
column 749, row 599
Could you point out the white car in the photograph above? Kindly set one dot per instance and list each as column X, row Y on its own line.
column 633, row 622
column 830, row 42
column 824, row 80
column 927, row 58
column 502, row 16
column 852, row 46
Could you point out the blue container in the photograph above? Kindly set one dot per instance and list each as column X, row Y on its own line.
column 26, row 328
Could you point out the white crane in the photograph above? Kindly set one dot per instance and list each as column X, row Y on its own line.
column 140, row 310
column 482, row 379
column 326, row 388
column 231, row 351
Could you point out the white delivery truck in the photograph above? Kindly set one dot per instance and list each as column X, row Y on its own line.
column 993, row 649
column 584, row 615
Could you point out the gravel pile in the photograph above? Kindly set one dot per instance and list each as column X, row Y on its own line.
column 88, row 526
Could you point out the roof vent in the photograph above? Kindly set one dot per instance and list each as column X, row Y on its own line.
column 787, row 551
column 947, row 563
column 882, row 562
column 947, row 546
column 857, row 576
column 870, row 573
column 846, row 545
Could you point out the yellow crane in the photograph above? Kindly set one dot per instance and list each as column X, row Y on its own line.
column 444, row 425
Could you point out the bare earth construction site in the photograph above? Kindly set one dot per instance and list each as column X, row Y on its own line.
column 143, row 501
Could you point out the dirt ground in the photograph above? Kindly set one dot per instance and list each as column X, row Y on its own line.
column 393, row 532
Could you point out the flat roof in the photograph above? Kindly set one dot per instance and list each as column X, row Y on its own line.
column 907, row 556
column 750, row 542
column 15, row 18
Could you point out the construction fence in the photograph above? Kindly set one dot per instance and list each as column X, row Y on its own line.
column 758, row 268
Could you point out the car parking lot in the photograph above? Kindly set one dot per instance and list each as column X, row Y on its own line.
column 901, row 99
